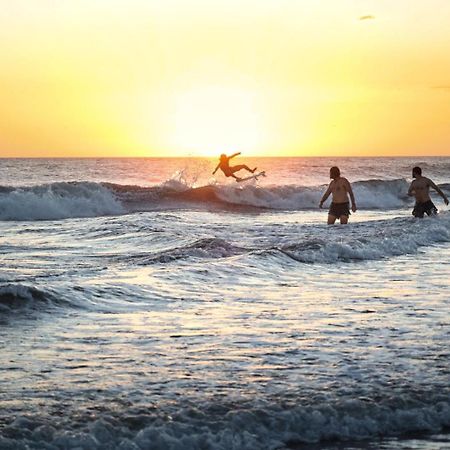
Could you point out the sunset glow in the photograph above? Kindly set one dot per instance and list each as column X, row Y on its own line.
column 195, row 78
column 212, row 119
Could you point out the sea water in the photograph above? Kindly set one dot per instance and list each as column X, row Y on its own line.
column 145, row 304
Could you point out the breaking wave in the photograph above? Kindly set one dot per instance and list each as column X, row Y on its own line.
column 374, row 240
column 364, row 241
column 87, row 199
column 202, row 248
column 23, row 298
column 20, row 296
column 249, row 427
column 58, row 201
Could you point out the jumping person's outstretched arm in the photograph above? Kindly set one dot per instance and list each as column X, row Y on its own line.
column 350, row 193
column 234, row 154
column 325, row 196
column 438, row 190
column 215, row 170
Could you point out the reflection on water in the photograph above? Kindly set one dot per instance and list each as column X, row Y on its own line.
column 209, row 329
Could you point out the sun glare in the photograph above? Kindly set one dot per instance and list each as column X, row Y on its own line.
column 214, row 119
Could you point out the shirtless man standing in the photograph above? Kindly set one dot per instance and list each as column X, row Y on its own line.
column 420, row 189
column 339, row 188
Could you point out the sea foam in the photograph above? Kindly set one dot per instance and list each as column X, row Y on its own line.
column 246, row 428
column 58, row 201
column 88, row 199
column 371, row 240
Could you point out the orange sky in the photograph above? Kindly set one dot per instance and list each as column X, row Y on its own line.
column 200, row 77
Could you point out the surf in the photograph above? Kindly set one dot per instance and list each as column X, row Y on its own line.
column 62, row 200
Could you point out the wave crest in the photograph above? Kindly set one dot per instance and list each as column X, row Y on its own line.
column 394, row 237
column 18, row 296
column 58, row 201
column 266, row 426
column 213, row 248
column 88, row 199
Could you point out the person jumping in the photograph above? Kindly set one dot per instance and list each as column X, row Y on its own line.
column 224, row 166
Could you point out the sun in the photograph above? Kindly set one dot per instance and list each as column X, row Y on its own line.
column 214, row 119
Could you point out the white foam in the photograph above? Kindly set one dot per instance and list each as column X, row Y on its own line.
column 366, row 242
column 249, row 428
column 85, row 199
column 58, row 201
column 371, row 194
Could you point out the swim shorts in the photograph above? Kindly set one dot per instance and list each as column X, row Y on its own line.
column 426, row 207
column 339, row 209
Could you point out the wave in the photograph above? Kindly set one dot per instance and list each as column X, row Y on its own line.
column 58, row 201
column 374, row 240
column 202, row 248
column 88, row 199
column 236, row 427
column 371, row 241
column 20, row 296
column 370, row 194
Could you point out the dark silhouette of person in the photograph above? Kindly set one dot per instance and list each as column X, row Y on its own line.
column 420, row 189
column 340, row 188
column 229, row 171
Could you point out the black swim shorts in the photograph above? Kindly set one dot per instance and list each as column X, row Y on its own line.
column 426, row 207
column 339, row 209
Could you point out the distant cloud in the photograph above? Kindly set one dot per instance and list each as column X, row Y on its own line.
column 368, row 17
column 442, row 88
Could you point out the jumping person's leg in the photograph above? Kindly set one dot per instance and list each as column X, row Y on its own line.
column 240, row 167
column 343, row 219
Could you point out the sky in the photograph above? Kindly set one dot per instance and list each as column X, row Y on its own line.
column 110, row 78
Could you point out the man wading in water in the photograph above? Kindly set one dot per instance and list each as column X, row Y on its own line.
column 420, row 189
column 340, row 189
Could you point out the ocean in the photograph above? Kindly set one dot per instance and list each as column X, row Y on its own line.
column 145, row 304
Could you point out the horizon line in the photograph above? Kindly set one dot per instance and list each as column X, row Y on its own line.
column 214, row 157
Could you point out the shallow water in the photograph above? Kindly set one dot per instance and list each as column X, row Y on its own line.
column 212, row 321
